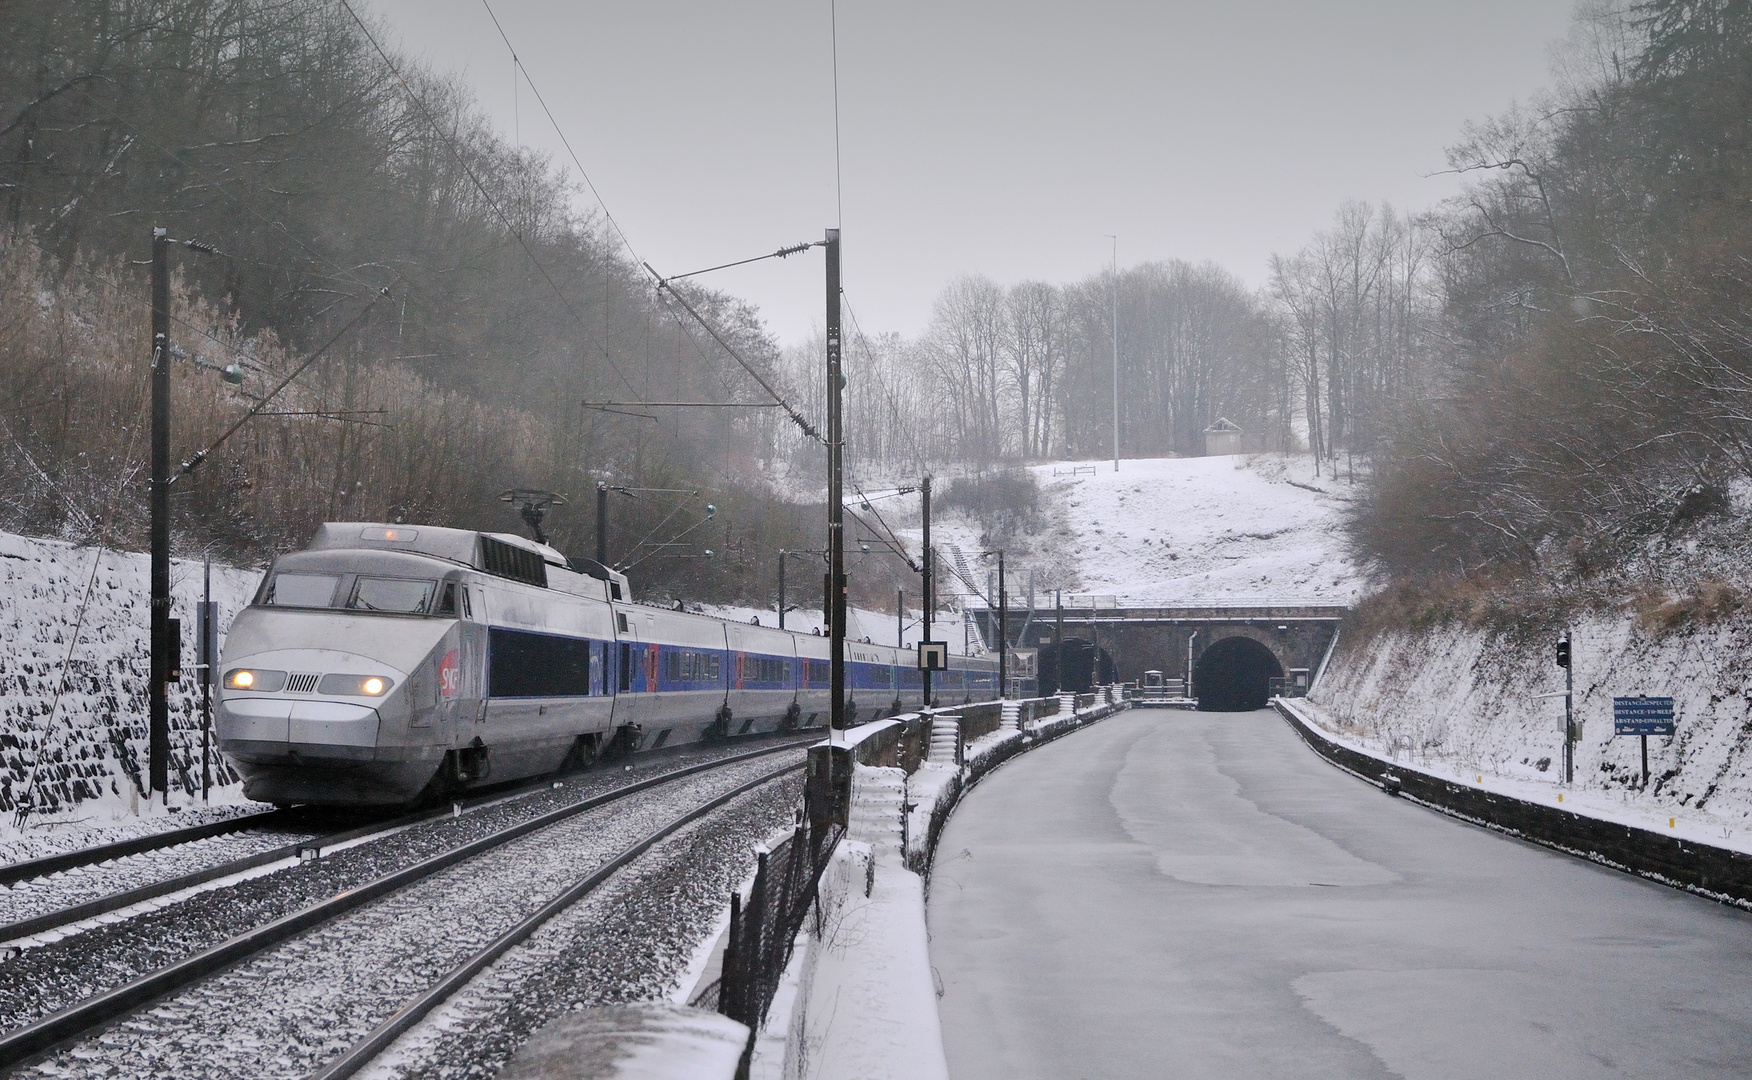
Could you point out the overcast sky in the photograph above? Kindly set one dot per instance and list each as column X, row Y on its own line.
column 1005, row 139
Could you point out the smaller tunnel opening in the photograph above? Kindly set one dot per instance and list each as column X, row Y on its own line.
column 1075, row 666
column 1234, row 675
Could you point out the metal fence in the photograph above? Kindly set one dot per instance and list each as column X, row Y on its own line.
column 757, row 946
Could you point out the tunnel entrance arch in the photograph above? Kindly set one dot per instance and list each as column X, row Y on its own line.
column 1234, row 675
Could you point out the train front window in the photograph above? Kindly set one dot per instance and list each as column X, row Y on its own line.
column 303, row 590
column 402, row 596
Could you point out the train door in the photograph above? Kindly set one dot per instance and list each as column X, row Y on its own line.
column 626, row 672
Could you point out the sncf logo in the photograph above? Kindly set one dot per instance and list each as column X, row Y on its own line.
column 450, row 675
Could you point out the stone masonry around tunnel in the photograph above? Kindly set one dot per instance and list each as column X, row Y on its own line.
column 1173, row 639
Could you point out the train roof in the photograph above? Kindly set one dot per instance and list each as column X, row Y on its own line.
column 501, row 554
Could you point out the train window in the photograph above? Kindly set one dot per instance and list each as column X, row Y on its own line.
column 303, row 590
column 447, row 600
column 404, row 596
column 596, row 679
column 522, row 664
column 713, row 668
column 766, row 669
column 626, row 664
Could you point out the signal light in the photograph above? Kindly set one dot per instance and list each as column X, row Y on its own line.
column 1563, row 653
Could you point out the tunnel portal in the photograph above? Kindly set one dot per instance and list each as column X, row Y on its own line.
column 1234, row 675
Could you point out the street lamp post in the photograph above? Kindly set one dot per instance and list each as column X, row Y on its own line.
column 1115, row 328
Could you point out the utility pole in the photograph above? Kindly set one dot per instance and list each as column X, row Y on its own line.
column 900, row 618
column 1058, row 641
column 1115, row 240
column 836, row 539
column 158, row 693
column 929, row 584
column 1003, row 635
column 781, row 588
column 602, row 526
column 1566, row 660
column 208, row 639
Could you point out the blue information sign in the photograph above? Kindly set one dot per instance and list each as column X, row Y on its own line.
column 1642, row 716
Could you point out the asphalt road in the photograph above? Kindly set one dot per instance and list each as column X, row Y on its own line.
column 1173, row 894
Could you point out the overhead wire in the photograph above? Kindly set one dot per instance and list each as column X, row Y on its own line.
column 193, row 462
column 653, row 531
column 627, row 243
column 796, row 417
column 126, row 295
column 480, row 186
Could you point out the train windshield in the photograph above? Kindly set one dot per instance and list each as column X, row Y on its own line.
column 303, row 590
column 401, row 595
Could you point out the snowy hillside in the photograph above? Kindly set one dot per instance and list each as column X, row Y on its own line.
column 1171, row 530
column 89, row 749
column 1465, row 703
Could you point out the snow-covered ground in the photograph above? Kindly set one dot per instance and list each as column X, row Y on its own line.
column 1229, row 529
column 1233, row 529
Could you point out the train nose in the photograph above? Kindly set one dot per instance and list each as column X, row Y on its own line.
column 304, row 697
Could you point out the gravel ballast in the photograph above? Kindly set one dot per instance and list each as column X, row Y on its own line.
column 44, row 979
column 287, row 1011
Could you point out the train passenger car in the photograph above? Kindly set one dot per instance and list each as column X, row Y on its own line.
column 385, row 662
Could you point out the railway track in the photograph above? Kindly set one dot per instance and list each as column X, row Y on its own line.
column 365, row 1050
column 105, row 1008
column 47, row 865
column 68, row 889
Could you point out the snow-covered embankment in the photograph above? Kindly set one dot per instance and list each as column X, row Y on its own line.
column 84, row 755
column 859, row 999
column 1462, row 702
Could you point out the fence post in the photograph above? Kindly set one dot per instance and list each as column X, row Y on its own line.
column 728, row 980
column 827, row 787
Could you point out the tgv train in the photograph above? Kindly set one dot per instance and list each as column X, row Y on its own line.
column 387, row 662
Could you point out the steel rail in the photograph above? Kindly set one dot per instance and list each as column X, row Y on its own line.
column 22, row 1043
column 410, row 1014
column 103, row 905
column 13, row 873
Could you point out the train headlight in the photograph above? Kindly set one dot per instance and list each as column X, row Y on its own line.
column 265, row 682
column 355, row 685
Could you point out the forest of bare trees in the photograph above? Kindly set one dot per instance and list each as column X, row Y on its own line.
column 325, row 172
column 1527, row 378
column 1595, row 282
